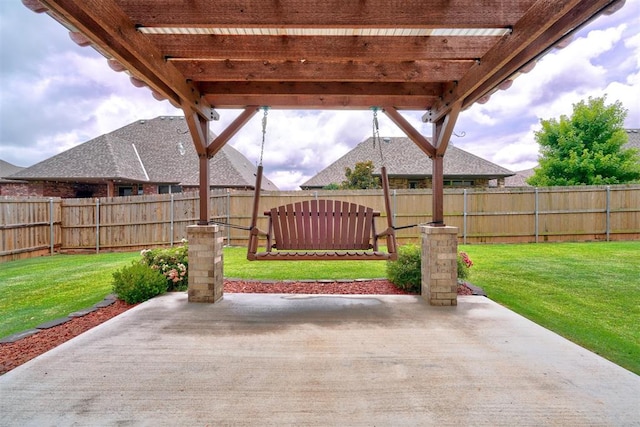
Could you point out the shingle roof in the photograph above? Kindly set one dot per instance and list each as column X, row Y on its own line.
column 146, row 151
column 519, row 179
column 7, row 169
column 634, row 138
column 403, row 158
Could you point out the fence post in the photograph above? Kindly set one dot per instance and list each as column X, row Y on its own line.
column 608, row 212
column 228, row 209
column 464, row 216
column 97, row 225
column 171, row 222
column 51, row 232
column 536, row 214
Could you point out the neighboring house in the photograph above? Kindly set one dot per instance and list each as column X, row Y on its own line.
column 519, row 179
column 409, row 167
column 9, row 186
column 144, row 157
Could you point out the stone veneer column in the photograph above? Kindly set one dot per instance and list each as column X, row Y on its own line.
column 205, row 263
column 439, row 265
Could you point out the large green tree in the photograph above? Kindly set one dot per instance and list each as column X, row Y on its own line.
column 586, row 148
column 361, row 177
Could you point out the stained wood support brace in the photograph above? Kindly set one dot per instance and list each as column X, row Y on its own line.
column 442, row 131
column 199, row 129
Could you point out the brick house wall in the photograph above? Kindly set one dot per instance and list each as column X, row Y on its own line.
column 67, row 190
column 396, row 183
column 404, row 183
column 19, row 189
column 149, row 189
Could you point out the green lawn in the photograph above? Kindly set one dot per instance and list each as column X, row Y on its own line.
column 36, row 290
column 586, row 292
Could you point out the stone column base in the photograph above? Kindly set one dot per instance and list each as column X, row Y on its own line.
column 439, row 265
column 206, row 280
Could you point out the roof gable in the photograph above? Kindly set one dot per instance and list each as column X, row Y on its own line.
column 7, row 169
column 159, row 150
column 104, row 157
column 402, row 157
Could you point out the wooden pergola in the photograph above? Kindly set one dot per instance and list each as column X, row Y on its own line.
column 437, row 56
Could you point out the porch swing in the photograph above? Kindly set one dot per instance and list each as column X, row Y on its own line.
column 321, row 229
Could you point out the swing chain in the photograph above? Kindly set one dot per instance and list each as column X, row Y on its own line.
column 264, row 132
column 376, row 134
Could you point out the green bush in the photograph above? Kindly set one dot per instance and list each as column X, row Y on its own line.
column 406, row 271
column 138, row 282
column 173, row 263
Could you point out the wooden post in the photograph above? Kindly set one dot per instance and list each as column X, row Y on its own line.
column 437, row 185
column 204, row 189
column 199, row 129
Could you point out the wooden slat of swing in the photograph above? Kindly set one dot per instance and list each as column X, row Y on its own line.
column 322, row 229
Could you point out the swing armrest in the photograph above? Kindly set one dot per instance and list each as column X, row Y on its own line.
column 255, row 231
column 388, row 232
column 253, row 242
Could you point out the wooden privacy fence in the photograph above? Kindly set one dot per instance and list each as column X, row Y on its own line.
column 29, row 227
column 504, row 215
column 133, row 222
column 34, row 226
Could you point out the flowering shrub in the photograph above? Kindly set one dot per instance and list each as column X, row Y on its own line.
column 173, row 263
column 464, row 264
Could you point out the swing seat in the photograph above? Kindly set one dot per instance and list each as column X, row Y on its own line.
column 321, row 230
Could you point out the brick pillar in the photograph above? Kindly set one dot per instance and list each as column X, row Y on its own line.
column 439, row 265
column 205, row 263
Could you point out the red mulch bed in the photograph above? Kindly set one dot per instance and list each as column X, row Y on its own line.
column 16, row 353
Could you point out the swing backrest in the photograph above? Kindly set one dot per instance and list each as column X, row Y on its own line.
column 322, row 225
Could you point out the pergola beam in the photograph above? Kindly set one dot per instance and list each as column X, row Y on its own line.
column 425, row 71
column 331, row 13
column 320, row 48
column 268, row 89
column 320, row 101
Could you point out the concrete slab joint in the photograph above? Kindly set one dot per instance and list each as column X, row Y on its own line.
column 439, row 265
column 206, row 281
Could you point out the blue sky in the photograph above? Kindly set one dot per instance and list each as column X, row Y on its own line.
column 55, row 95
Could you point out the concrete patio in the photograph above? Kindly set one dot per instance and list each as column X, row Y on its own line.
column 264, row 359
